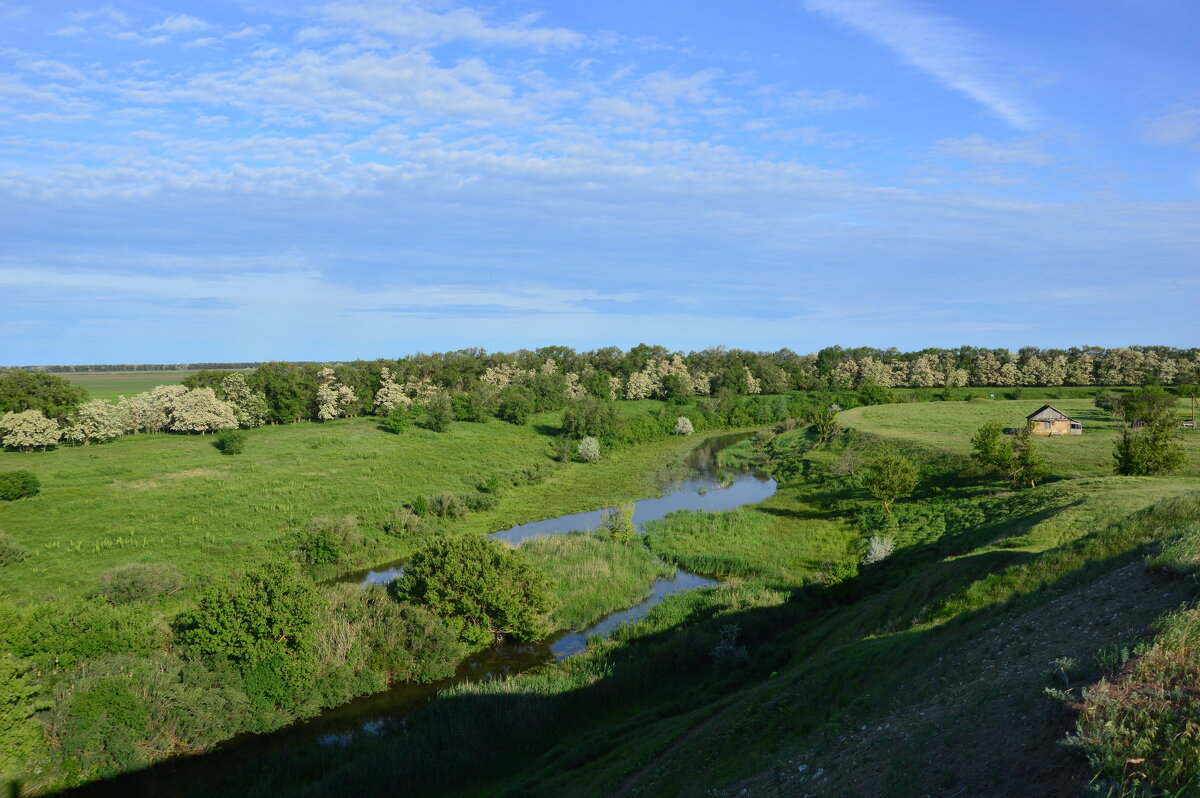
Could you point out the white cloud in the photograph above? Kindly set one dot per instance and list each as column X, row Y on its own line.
column 180, row 23
column 823, row 102
column 977, row 149
column 1176, row 128
column 410, row 20
column 940, row 46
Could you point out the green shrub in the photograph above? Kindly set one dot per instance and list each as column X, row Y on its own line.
column 20, row 732
column 18, row 485
column 262, row 624
column 405, row 522
column 477, row 502
column 56, row 635
column 103, row 726
column 447, row 505
column 420, row 506
column 230, row 441
column 399, row 420
column 140, row 582
column 439, row 413
column 10, row 551
column 327, row 540
column 490, row 591
column 516, row 403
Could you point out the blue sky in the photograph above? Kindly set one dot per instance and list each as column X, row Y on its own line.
column 253, row 180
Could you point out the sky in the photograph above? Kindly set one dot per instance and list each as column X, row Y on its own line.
column 245, row 180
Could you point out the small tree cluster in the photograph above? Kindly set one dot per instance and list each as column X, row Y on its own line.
column 890, row 477
column 29, row 430
column 1149, row 442
column 95, row 421
column 1016, row 457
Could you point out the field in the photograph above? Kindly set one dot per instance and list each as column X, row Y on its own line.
column 950, row 425
column 111, row 385
column 176, row 498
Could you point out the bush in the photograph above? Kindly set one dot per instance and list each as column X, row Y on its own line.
column 516, row 403
column 683, row 426
column 447, row 505
column 327, row 540
column 878, row 549
column 405, row 522
column 420, row 506
column 487, row 589
column 58, row 634
column 399, row 420
column 18, row 485
column 231, row 441
column 478, row 502
column 590, row 417
column 10, row 551
column 589, row 450
column 139, row 582
column 439, row 413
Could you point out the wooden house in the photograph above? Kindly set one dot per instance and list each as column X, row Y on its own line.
column 1048, row 421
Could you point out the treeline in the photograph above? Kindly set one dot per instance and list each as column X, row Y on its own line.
column 105, row 367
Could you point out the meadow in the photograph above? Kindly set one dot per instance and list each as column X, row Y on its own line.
column 177, row 499
column 111, row 385
column 949, row 426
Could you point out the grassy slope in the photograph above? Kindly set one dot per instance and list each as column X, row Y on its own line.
column 153, row 498
column 950, row 425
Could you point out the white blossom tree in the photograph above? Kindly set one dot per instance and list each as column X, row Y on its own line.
column 683, row 426
column 28, row 430
column 199, row 410
column 249, row 408
column 334, row 399
column 95, row 421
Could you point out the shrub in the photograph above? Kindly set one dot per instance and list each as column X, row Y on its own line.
column 878, row 549
column 20, row 732
column 591, row 417
column 231, row 441
column 617, row 523
column 447, row 505
column 10, row 551
column 58, row 634
column 516, row 403
column 683, row 426
column 18, row 485
column 439, row 413
column 478, row 502
column 262, row 624
column 140, row 582
column 589, row 450
column 420, row 506
column 890, row 477
column 727, row 653
column 399, row 420
column 489, row 590
column 327, row 540
column 404, row 522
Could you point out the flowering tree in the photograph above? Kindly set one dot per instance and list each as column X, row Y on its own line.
column 95, row 421
column 589, row 450
column 201, row 411
column 683, row 426
column 29, row 429
column 249, row 407
column 334, row 399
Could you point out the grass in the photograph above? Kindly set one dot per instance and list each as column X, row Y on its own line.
column 175, row 498
column 111, row 385
column 594, row 575
column 950, row 425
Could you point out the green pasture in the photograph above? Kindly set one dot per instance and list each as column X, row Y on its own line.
column 175, row 498
column 950, row 425
column 111, row 385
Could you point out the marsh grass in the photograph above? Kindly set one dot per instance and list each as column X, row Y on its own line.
column 595, row 575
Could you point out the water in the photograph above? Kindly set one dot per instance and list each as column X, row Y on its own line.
column 373, row 714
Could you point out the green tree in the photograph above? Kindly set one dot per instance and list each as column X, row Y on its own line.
column 824, row 422
column 516, row 403
column 489, row 590
column 1016, row 457
column 591, row 417
column 617, row 523
column 54, row 396
column 890, row 477
column 262, row 623
column 399, row 420
column 439, row 413
column 1149, row 442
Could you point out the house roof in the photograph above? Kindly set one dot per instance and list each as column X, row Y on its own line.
column 1048, row 413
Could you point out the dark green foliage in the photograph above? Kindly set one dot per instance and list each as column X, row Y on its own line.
column 617, row 524
column 591, row 417
column 20, row 733
column 823, row 421
column 230, row 441
column 140, row 582
column 327, row 540
column 872, row 394
column 489, row 590
column 1015, row 457
column 549, row 391
column 1109, row 401
column 420, row 506
column 261, row 623
column 58, row 634
column 438, row 413
column 290, row 391
column 478, row 502
column 10, row 551
column 1149, row 442
column 55, row 396
column 18, row 485
column 475, row 405
column 102, row 728
column 597, row 384
column 207, row 378
column 516, row 403
column 399, row 420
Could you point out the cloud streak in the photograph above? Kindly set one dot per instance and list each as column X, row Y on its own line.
column 943, row 48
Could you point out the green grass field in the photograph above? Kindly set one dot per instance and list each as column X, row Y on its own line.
column 950, row 425
column 112, row 384
column 175, row 498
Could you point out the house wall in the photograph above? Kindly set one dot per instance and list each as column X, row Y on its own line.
column 1060, row 427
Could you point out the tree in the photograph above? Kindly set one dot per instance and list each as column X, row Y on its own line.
column 592, row 417
column 18, row 485
column 683, row 426
column 54, row 396
column 29, row 429
column 488, row 589
column 95, row 421
column 588, row 450
column 399, row 419
column 263, row 621
column 890, row 477
column 516, row 403
column 249, row 408
column 824, row 422
column 1149, row 443
column 439, row 413
column 1016, row 457
column 334, row 400
column 200, row 410
column 617, row 523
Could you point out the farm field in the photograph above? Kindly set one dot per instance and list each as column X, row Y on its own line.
column 176, row 498
column 950, row 425
column 111, row 385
